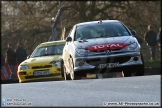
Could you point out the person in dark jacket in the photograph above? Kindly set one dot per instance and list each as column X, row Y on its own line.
column 11, row 60
column 3, row 69
column 21, row 54
column 150, row 38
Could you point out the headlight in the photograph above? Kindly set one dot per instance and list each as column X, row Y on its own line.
column 58, row 63
column 82, row 51
column 131, row 47
column 23, row 67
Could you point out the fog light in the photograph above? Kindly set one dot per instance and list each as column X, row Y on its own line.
column 135, row 58
column 22, row 73
column 81, row 63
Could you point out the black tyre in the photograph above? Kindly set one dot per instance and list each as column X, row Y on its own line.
column 62, row 69
column 127, row 73
column 140, row 70
column 77, row 75
column 63, row 72
column 74, row 75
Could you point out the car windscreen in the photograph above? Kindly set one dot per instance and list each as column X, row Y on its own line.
column 48, row 51
column 112, row 29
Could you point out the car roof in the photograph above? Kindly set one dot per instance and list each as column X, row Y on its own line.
column 95, row 22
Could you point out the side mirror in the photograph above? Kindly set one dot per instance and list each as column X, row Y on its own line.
column 28, row 56
column 133, row 32
column 68, row 39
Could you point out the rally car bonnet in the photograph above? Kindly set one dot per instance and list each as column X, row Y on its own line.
column 41, row 60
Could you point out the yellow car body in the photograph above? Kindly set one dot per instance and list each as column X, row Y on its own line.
column 42, row 66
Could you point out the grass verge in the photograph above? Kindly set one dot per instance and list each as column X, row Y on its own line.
column 153, row 63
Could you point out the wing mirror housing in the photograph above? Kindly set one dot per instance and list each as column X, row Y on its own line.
column 68, row 39
column 28, row 56
column 133, row 32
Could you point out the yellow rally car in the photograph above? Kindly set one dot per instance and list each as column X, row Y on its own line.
column 43, row 63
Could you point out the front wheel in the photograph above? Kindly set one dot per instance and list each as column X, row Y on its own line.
column 140, row 70
column 66, row 77
column 63, row 71
column 73, row 75
column 71, row 69
column 127, row 73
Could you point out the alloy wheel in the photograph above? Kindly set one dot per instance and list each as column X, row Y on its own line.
column 71, row 69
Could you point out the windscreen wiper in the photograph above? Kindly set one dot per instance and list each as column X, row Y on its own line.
column 47, row 54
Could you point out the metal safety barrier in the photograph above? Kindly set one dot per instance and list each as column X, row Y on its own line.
column 3, row 77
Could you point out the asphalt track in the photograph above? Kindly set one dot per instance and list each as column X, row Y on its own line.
column 121, row 91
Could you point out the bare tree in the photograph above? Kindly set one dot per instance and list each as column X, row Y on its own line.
column 29, row 21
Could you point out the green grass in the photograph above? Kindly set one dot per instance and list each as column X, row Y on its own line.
column 153, row 63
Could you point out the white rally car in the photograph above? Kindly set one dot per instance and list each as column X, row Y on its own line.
column 101, row 46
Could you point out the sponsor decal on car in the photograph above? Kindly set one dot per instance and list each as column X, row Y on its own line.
column 106, row 46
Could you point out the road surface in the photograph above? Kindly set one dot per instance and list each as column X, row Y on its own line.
column 122, row 91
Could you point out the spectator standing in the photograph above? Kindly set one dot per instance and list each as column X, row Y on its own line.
column 11, row 60
column 3, row 69
column 21, row 54
column 159, row 39
column 150, row 38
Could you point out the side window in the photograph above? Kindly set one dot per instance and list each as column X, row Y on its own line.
column 42, row 51
column 59, row 49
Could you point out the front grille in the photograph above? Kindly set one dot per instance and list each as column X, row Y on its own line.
column 97, row 61
column 112, row 50
column 41, row 76
column 41, row 66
